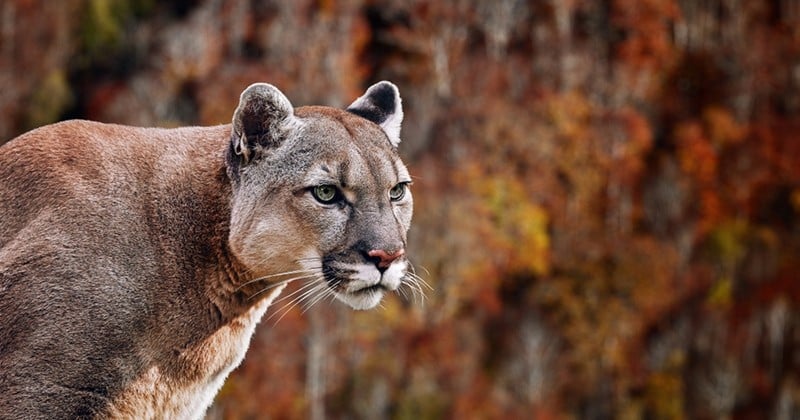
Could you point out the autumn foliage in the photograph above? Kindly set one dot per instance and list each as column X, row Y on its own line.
column 607, row 192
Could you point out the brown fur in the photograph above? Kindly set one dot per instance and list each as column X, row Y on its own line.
column 130, row 257
column 61, row 218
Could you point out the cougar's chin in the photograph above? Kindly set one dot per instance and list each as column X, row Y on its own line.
column 362, row 286
column 362, row 299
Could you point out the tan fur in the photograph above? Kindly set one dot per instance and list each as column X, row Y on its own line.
column 159, row 394
column 135, row 263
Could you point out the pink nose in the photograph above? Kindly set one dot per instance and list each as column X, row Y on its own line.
column 385, row 257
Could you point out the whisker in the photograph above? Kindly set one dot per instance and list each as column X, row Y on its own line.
column 300, row 290
column 404, row 284
column 307, row 276
column 415, row 284
column 418, row 296
column 425, row 269
column 298, row 261
column 423, row 295
column 311, row 293
column 402, row 292
column 283, row 311
column 413, row 272
column 306, row 290
column 331, row 290
column 285, row 273
column 324, row 292
column 421, row 281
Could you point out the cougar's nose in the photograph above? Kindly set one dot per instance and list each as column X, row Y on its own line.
column 383, row 258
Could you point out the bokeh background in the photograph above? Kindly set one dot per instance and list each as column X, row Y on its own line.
column 607, row 192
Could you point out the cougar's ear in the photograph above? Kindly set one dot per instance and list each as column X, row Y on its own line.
column 382, row 105
column 260, row 121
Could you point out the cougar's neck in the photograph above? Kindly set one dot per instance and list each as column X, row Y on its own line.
column 194, row 213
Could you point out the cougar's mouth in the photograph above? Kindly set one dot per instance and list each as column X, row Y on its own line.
column 361, row 285
column 369, row 289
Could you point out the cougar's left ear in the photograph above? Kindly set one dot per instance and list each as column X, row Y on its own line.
column 382, row 105
column 260, row 121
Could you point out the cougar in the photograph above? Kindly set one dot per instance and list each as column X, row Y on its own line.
column 135, row 263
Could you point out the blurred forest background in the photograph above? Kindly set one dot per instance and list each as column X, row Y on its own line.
column 607, row 192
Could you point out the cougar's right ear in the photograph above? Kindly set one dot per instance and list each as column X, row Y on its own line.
column 260, row 122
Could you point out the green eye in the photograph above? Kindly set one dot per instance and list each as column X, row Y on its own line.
column 398, row 192
column 326, row 194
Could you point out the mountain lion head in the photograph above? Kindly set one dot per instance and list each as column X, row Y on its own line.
column 324, row 187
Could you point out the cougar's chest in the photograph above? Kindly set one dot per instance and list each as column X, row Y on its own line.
column 185, row 386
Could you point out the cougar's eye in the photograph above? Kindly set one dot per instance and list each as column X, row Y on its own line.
column 326, row 194
column 398, row 192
